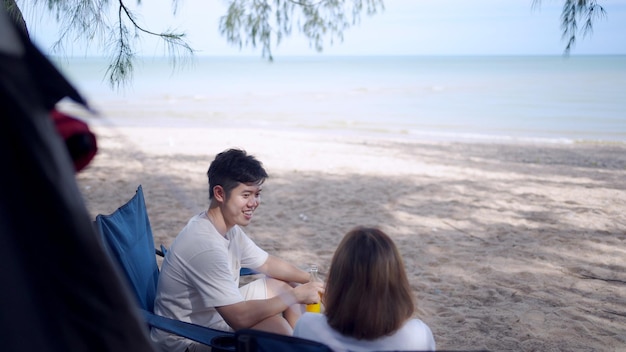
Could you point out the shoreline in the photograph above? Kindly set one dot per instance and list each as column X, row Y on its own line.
column 508, row 246
column 400, row 134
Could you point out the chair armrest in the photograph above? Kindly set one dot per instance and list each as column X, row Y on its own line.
column 247, row 271
column 160, row 252
column 191, row 331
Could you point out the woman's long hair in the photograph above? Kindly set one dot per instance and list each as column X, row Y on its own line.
column 367, row 291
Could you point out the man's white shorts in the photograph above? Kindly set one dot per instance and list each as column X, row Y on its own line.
column 256, row 289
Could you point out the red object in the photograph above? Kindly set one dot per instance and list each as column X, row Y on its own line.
column 79, row 140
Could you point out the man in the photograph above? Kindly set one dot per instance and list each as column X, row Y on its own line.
column 199, row 281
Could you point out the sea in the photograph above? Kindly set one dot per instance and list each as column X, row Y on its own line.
column 554, row 99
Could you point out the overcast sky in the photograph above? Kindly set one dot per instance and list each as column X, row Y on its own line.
column 405, row 27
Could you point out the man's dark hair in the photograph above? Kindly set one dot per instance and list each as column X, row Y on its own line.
column 232, row 167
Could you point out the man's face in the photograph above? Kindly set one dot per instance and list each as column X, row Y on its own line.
column 241, row 203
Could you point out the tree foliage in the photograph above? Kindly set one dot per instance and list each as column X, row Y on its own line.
column 260, row 22
column 88, row 21
column 253, row 23
column 247, row 22
column 573, row 13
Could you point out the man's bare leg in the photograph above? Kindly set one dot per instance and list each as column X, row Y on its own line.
column 274, row 288
column 276, row 324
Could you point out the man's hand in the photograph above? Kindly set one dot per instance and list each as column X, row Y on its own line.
column 309, row 293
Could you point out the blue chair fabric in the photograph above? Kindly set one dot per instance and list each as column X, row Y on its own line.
column 251, row 340
column 127, row 236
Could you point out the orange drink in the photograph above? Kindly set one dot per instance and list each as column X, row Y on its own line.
column 314, row 307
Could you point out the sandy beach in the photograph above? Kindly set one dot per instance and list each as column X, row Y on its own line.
column 508, row 247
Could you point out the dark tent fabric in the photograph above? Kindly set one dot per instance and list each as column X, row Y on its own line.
column 60, row 291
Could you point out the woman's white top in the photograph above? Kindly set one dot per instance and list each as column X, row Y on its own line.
column 414, row 335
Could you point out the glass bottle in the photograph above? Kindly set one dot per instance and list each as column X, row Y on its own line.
column 314, row 277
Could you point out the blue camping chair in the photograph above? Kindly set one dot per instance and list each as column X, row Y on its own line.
column 127, row 236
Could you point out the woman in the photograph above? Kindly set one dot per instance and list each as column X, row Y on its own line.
column 368, row 300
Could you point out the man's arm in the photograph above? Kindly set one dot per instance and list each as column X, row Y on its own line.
column 249, row 313
column 282, row 270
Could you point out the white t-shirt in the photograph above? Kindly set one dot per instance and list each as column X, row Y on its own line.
column 414, row 335
column 200, row 272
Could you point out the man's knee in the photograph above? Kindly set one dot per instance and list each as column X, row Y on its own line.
column 276, row 324
column 275, row 287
